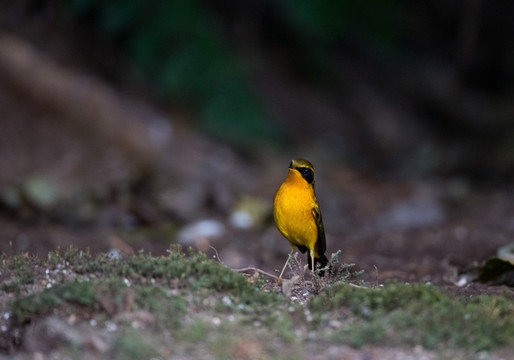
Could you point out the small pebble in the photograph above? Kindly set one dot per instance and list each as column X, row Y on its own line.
column 226, row 300
column 110, row 326
column 462, row 282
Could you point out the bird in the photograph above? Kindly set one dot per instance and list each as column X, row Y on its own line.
column 298, row 216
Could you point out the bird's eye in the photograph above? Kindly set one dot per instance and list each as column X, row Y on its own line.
column 307, row 174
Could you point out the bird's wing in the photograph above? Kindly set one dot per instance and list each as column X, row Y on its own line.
column 321, row 243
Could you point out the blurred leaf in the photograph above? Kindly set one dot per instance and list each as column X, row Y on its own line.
column 506, row 253
column 40, row 191
column 497, row 271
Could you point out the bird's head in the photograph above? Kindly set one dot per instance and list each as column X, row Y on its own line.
column 304, row 168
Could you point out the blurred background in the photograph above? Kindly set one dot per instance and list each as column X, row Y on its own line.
column 135, row 125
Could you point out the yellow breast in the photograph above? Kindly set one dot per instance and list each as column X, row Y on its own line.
column 292, row 209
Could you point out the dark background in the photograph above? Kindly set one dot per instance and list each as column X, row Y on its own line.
column 133, row 125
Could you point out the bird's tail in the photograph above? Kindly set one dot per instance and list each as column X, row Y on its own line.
column 320, row 263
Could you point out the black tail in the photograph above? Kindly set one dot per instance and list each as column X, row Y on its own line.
column 319, row 264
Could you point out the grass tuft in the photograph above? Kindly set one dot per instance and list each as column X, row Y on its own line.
column 334, row 273
column 15, row 273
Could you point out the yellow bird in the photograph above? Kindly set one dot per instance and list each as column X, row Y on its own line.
column 298, row 217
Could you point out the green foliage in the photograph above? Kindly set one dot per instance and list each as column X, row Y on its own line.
column 178, row 45
column 280, row 325
column 363, row 333
column 15, row 273
column 134, row 345
column 327, row 21
column 196, row 331
column 420, row 314
column 28, row 307
column 320, row 27
column 376, row 301
column 183, row 48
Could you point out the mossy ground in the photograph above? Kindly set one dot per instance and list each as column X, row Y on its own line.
column 187, row 306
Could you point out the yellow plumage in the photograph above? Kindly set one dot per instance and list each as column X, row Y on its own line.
column 297, row 214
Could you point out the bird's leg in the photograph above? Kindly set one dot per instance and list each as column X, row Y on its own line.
column 312, row 259
column 285, row 265
column 284, row 268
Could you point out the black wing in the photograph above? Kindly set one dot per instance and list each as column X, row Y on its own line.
column 321, row 243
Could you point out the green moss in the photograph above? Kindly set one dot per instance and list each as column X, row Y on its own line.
column 420, row 314
column 103, row 284
column 16, row 272
column 364, row 333
column 375, row 301
column 26, row 308
column 168, row 309
column 193, row 271
column 196, row 331
column 135, row 345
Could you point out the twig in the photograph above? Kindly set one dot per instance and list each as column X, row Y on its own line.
column 217, row 255
column 357, row 286
column 248, row 268
column 376, row 275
